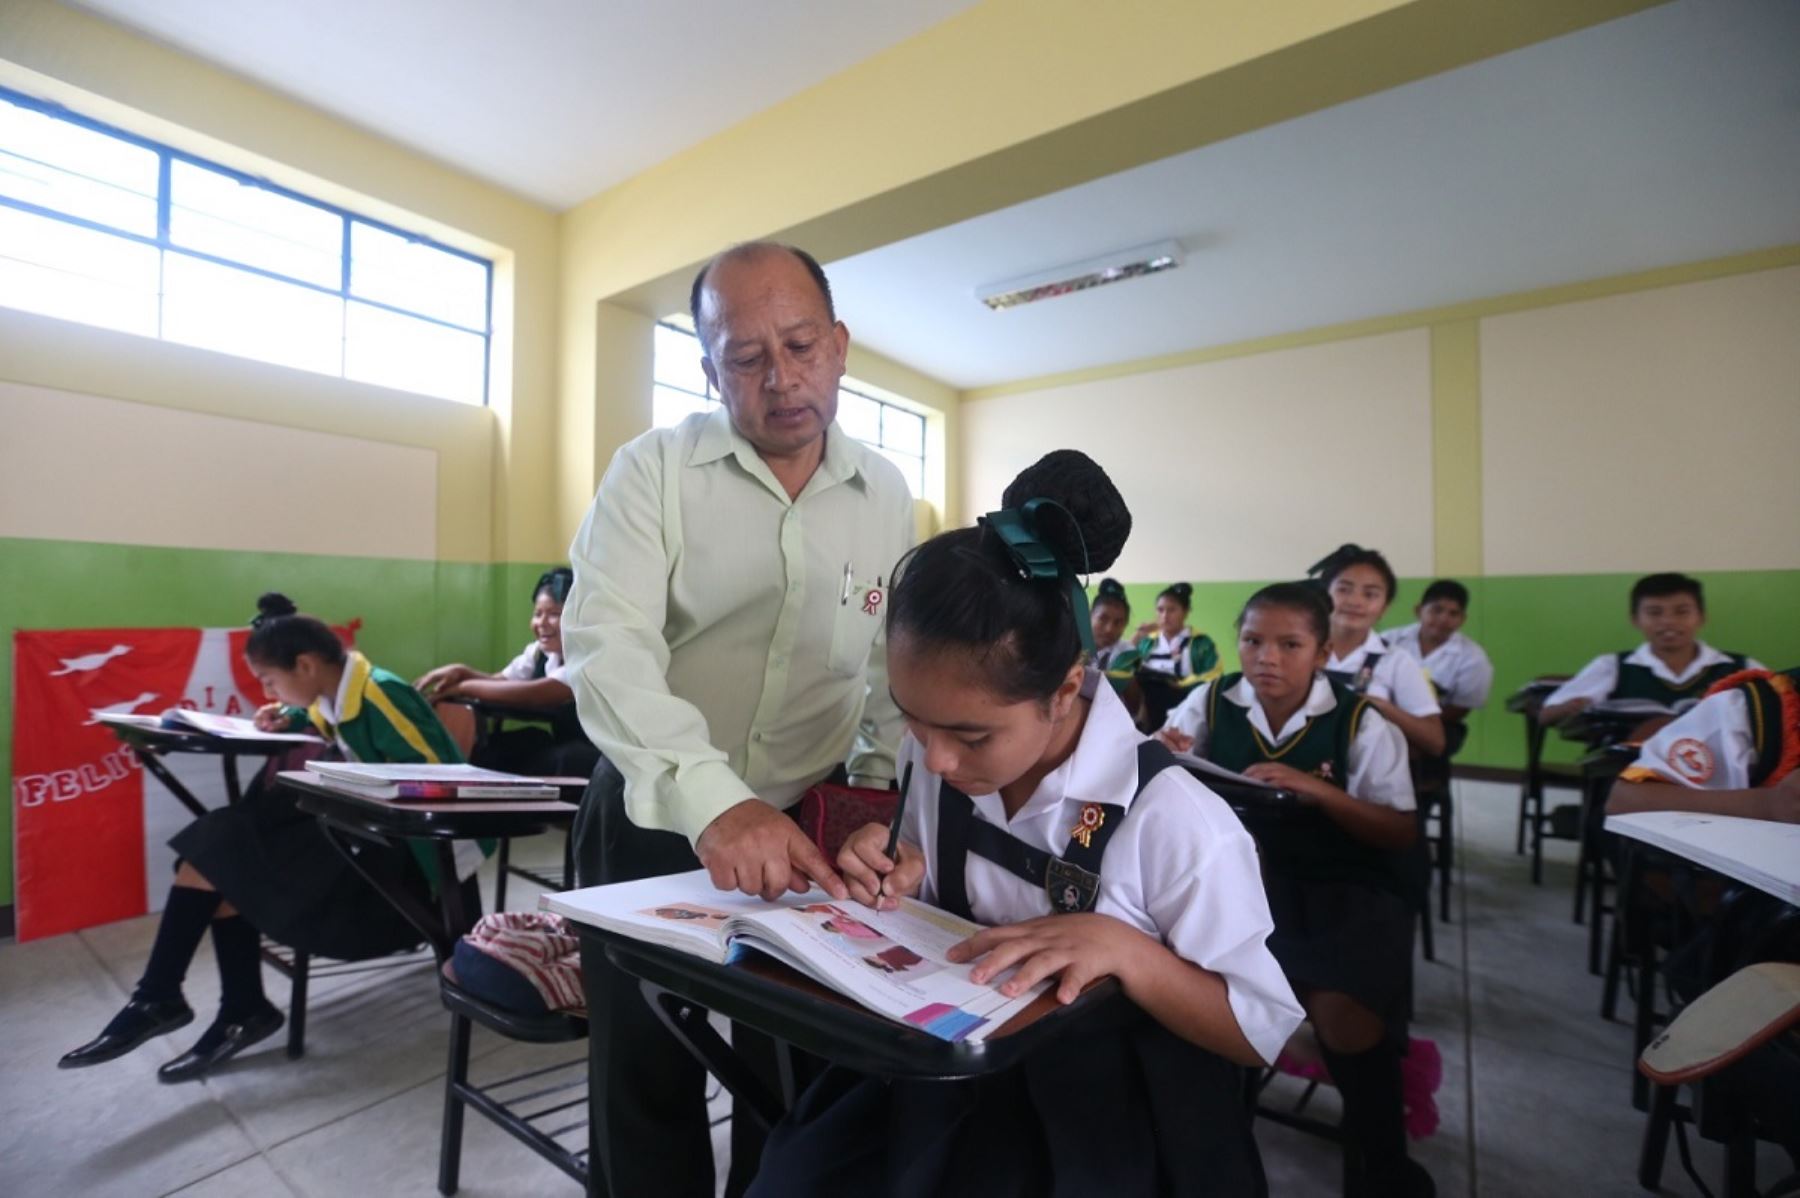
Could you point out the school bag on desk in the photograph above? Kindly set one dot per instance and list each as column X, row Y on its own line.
column 830, row 813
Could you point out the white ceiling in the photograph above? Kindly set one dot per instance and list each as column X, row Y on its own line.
column 1668, row 136
column 554, row 99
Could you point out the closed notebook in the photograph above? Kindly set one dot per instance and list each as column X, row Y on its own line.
column 419, row 780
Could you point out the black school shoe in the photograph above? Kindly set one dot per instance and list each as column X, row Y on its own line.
column 220, row 1043
column 138, row 1022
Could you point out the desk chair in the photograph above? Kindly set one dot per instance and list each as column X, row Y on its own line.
column 563, row 1086
column 1737, row 1046
column 1539, row 774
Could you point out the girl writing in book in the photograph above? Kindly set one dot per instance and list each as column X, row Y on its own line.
column 1360, row 585
column 1017, row 752
column 263, row 866
column 1337, row 878
column 536, row 681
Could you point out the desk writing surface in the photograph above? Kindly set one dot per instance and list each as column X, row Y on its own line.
column 783, row 1003
column 458, row 819
column 1760, row 853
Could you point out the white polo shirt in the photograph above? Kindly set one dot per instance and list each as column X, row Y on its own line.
column 1398, row 676
column 1459, row 667
column 1378, row 768
column 523, row 668
column 1180, row 867
column 1599, row 676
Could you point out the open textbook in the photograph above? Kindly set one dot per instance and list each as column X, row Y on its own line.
column 187, row 719
column 891, row 962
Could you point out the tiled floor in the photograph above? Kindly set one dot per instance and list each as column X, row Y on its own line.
column 1534, row 1100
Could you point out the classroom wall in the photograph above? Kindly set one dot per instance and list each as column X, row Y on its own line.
column 1556, row 446
column 427, row 519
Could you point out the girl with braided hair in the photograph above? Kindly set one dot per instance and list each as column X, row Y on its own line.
column 1130, row 868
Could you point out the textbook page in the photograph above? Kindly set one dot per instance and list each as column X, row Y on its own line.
column 1218, row 771
column 680, row 911
column 231, row 727
column 892, row 962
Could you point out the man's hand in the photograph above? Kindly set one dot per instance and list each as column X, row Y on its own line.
column 875, row 879
column 756, row 849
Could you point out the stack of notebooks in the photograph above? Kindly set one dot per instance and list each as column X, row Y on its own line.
column 186, row 719
column 430, row 782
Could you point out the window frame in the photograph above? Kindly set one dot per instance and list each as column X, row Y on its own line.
column 168, row 155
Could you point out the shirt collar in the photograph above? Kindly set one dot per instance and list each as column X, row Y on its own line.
column 1102, row 769
column 718, row 438
column 1319, row 700
column 1373, row 645
column 346, row 705
column 1707, row 656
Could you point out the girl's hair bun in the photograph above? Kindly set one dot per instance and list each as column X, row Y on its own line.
column 1111, row 588
column 1090, row 538
column 274, row 604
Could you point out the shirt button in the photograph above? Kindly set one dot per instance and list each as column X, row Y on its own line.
column 757, row 737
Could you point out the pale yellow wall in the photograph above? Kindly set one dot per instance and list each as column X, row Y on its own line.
column 497, row 501
column 1636, row 431
column 1244, row 468
column 79, row 468
column 959, row 121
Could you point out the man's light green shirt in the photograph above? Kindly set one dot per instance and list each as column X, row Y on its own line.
column 715, row 649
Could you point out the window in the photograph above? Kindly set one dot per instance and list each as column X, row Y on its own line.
column 681, row 389
column 106, row 228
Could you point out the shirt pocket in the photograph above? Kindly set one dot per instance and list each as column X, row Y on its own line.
column 853, row 631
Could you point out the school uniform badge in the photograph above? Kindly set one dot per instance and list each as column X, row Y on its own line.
column 1693, row 760
column 1071, row 889
column 1092, row 817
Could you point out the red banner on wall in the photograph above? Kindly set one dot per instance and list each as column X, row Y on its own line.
column 89, row 832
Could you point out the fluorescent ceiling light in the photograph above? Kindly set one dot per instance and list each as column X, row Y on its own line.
column 1080, row 276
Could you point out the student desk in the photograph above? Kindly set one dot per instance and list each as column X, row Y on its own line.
column 799, row 1013
column 347, row 817
column 1527, row 701
column 153, row 744
column 491, row 718
column 1760, row 854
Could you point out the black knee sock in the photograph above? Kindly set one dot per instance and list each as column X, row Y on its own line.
column 1374, row 1117
column 184, row 921
column 238, row 946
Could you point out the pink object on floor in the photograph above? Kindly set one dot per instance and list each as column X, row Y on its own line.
column 1421, row 1073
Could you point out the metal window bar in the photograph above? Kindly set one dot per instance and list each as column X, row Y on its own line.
column 169, row 155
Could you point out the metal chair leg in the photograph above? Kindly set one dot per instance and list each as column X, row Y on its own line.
column 296, row 1037
column 457, row 1074
column 1656, row 1138
column 502, row 860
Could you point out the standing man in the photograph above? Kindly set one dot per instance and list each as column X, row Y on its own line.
column 726, row 650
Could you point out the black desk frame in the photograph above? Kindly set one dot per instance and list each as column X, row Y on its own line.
column 347, row 818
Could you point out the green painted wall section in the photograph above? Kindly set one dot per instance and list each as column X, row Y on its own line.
column 415, row 614
column 1544, row 624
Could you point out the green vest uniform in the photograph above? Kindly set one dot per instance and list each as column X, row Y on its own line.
column 1641, row 682
column 1309, row 845
column 385, row 720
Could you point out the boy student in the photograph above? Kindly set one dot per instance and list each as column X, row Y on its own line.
column 1672, row 666
column 1459, row 668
